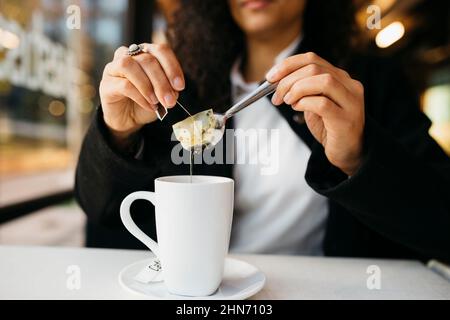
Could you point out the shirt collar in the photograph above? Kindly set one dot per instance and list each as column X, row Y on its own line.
column 238, row 84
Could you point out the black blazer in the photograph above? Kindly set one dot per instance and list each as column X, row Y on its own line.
column 396, row 206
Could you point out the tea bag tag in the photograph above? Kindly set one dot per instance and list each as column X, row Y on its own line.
column 151, row 273
column 162, row 112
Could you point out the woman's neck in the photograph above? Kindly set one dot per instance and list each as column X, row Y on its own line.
column 263, row 50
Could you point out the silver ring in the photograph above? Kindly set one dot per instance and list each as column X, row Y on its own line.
column 135, row 49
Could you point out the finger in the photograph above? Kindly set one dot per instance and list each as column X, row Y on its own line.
column 120, row 52
column 324, row 84
column 126, row 67
column 125, row 88
column 169, row 63
column 161, row 84
column 307, row 71
column 296, row 62
column 321, row 106
column 290, row 64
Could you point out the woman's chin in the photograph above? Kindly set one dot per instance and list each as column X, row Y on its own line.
column 258, row 25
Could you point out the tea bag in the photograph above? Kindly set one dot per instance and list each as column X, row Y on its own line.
column 151, row 273
column 197, row 131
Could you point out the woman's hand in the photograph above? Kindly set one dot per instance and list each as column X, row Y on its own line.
column 333, row 105
column 132, row 87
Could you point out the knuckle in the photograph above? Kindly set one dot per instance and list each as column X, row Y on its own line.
column 296, row 88
column 282, row 86
column 288, row 63
column 345, row 73
column 310, row 56
column 281, row 67
column 314, row 69
column 327, row 80
column 107, row 69
column 125, row 86
column 323, row 104
column 359, row 86
column 147, row 58
column 125, row 62
column 119, row 50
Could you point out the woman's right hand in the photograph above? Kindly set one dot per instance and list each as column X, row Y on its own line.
column 132, row 86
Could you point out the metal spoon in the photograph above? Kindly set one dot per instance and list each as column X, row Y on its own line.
column 206, row 129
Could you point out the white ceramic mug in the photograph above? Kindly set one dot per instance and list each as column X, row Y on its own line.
column 193, row 225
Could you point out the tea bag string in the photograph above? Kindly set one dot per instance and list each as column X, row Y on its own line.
column 185, row 110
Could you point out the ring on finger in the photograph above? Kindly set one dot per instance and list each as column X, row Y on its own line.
column 135, row 49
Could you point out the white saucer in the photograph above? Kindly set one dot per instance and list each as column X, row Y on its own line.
column 241, row 281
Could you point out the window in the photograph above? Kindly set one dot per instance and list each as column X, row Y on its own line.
column 49, row 73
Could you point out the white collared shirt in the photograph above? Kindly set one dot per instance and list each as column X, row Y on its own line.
column 276, row 212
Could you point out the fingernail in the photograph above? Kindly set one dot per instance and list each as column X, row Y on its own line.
column 271, row 74
column 178, row 83
column 170, row 100
column 288, row 98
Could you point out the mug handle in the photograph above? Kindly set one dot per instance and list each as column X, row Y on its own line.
column 129, row 223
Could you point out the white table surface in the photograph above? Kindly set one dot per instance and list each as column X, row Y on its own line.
column 41, row 273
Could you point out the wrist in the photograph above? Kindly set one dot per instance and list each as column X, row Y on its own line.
column 126, row 142
column 350, row 169
column 353, row 162
column 354, row 158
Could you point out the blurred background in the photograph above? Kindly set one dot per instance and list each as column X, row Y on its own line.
column 50, row 68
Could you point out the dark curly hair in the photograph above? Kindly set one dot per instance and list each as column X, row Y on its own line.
column 207, row 41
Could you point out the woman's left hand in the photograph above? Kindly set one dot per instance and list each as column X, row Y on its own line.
column 333, row 105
